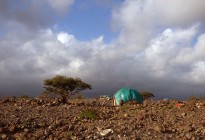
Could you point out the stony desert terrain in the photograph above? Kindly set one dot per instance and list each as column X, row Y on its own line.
column 95, row 119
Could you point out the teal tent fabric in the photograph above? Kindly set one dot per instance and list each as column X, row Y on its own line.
column 127, row 94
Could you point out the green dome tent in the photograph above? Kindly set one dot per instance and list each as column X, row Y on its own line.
column 127, row 94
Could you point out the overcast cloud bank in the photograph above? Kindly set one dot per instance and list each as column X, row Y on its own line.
column 160, row 48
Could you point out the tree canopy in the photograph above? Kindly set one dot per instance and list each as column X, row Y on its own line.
column 146, row 94
column 64, row 86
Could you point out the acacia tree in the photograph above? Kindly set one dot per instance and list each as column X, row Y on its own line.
column 64, row 86
column 146, row 94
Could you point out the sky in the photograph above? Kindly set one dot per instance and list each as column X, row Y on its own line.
column 149, row 45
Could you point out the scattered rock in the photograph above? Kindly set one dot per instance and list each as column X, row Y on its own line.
column 3, row 136
column 1, row 129
column 44, row 119
column 105, row 132
column 12, row 128
column 189, row 135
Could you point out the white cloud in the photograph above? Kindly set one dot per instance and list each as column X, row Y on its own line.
column 163, row 51
column 163, row 36
column 179, row 12
column 158, row 49
column 32, row 14
column 139, row 21
column 66, row 39
column 61, row 5
column 133, row 20
column 197, row 74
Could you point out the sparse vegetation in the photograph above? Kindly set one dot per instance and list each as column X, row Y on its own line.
column 69, row 135
column 24, row 97
column 138, row 108
column 79, row 96
column 88, row 114
column 193, row 98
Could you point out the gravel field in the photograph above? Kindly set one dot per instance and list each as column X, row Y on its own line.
column 95, row 119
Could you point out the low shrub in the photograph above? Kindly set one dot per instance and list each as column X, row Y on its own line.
column 193, row 98
column 24, row 97
column 88, row 114
column 69, row 135
column 79, row 96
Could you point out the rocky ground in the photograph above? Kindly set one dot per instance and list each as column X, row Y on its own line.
column 82, row 119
